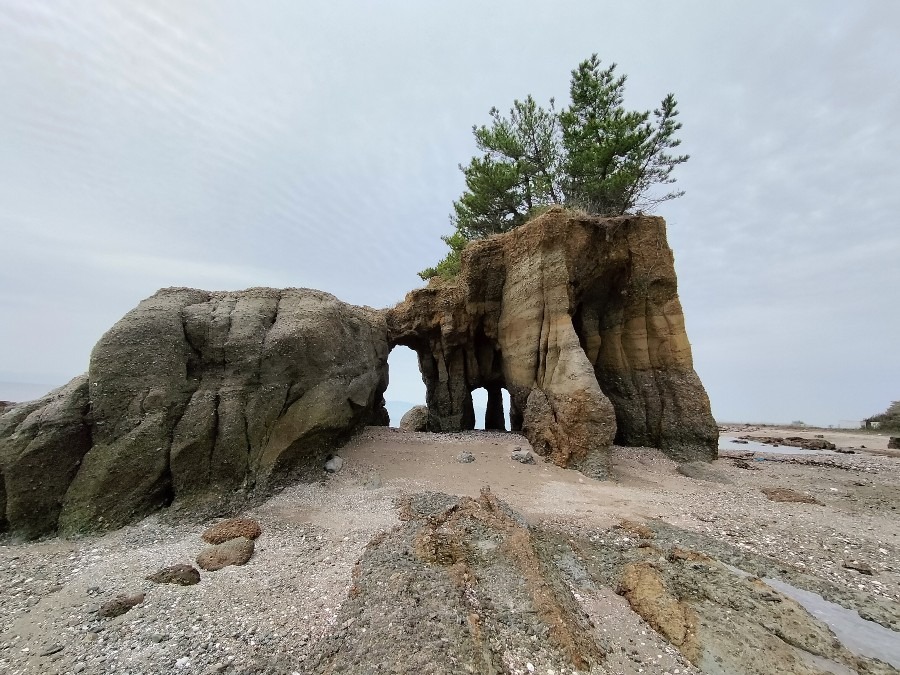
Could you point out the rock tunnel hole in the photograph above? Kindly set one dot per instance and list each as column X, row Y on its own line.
column 406, row 387
column 491, row 410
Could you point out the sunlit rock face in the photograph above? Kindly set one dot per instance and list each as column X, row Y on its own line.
column 578, row 318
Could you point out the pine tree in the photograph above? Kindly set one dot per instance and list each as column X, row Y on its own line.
column 614, row 157
column 518, row 170
column 594, row 155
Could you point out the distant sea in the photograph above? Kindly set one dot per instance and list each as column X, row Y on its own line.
column 26, row 391
column 396, row 409
column 23, row 391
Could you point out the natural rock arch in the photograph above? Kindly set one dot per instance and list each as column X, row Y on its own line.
column 579, row 319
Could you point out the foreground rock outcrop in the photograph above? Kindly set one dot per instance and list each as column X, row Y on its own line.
column 192, row 394
column 578, row 318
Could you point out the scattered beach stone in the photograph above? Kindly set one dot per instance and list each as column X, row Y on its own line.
column 465, row 457
column 232, row 552
column 845, row 451
column 373, row 481
column 778, row 494
column 334, row 464
column 859, row 566
column 703, row 471
column 637, row 529
column 181, row 574
column 232, row 529
column 119, row 605
column 52, row 649
column 522, row 456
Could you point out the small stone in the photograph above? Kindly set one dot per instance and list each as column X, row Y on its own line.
column 702, row 471
column 52, row 649
column 157, row 637
column 232, row 552
column 465, row 457
column 119, row 605
column 859, row 566
column 232, row 529
column 333, row 464
column 373, row 482
column 522, row 456
column 182, row 575
column 777, row 494
column 182, row 663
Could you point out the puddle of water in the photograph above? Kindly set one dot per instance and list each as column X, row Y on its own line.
column 860, row 636
column 728, row 444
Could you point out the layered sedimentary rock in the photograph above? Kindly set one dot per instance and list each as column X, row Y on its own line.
column 193, row 393
column 578, row 318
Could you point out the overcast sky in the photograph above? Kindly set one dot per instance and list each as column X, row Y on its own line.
column 232, row 144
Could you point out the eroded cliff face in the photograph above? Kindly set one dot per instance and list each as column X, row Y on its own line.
column 192, row 394
column 579, row 319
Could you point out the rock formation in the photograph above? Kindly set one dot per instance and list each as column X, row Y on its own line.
column 415, row 419
column 578, row 318
column 192, row 393
column 195, row 394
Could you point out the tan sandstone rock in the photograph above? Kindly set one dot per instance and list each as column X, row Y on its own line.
column 578, row 319
column 415, row 419
column 232, row 552
column 231, row 529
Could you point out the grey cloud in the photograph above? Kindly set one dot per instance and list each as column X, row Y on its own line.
column 316, row 144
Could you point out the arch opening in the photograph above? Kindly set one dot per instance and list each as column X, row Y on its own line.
column 406, row 387
column 492, row 408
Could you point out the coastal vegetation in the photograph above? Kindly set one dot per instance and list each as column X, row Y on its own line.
column 594, row 155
